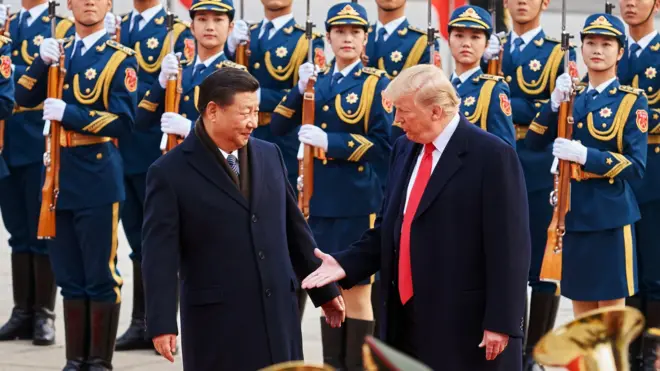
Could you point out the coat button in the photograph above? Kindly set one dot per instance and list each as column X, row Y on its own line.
column 393, row 284
column 261, row 255
column 268, row 293
column 254, row 218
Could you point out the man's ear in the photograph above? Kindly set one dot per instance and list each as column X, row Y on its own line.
column 436, row 112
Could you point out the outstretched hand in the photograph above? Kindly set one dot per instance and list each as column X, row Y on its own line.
column 330, row 271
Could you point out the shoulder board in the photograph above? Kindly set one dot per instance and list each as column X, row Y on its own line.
column 413, row 28
column 178, row 20
column 373, row 71
column 630, row 89
column 120, row 47
column 231, row 64
column 552, row 40
column 486, row 76
column 303, row 29
column 254, row 26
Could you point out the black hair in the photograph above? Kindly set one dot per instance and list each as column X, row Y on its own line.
column 222, row 85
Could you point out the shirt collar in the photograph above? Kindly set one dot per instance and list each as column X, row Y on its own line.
column 466, row 75
column 226, row 154
column 35, row 12
column 527, row 36
column 600, row 88
column 90, row 40
column 209, row 60
column 644, row 41
column 391, row 26
column 348, row 68
column 279, row 22
column 441, row 141
column 148, row 14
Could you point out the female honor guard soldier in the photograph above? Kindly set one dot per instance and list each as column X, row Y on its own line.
column 33, row 282
column 352, row 126
column 608, row 151
column 212, row 21
column 98, row 104
column 484, row 98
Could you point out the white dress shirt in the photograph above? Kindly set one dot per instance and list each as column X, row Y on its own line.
column 208, row 61
column 602, row 86
column 346, row 69
column 643, row 42
column 226, row 154
column 389, row 28
column 440, row 144
column 147, row 16
column 278, row 23
column 88, row 42
column 465, row 75
column 35, row 13
column 527, row 37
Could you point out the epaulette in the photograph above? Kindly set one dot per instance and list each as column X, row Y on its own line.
column 486, row 76
column 181, row 21
column 413, row 28
column 120, row 47
column 303, row 29
column 552, row 40
column 373, row 71
column 630, row 89
column 125, row 17
column 254, row 26
column 231, row 64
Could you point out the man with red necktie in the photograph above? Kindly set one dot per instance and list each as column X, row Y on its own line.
column 451, row 241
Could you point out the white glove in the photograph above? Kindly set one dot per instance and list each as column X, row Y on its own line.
column 110, row 22
column 554, row 169
column 569, row 150
column 314, row 136
column 240, row 33
column 493, row 48
column 562, row 91
column 305, row 71
column 54, row 109
column 3, row 15
column 49, row 50
column 173, row 123
column 301, row 151
column 170, row 66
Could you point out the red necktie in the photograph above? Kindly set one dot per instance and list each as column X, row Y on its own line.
column 423, row 176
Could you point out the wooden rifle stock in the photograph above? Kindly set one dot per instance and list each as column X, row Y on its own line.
column 495, row 65
column 560, row 198
column 51, row 187
column 242, row 53
column 173, row 92
column 5, row 31
column 306, row 165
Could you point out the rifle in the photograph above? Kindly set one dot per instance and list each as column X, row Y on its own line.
column 5, row 32
column 551, row 267
column 52, row 132
column 306, row 165
column 432, row 34
column 173, row 92
column 609, row 7
column 243, row 49
column 495, row 63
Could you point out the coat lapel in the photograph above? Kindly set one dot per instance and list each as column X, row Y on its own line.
column 90, row 58
column 604, row 98
column 152, row 28
column 450, row 162
column 394, row 41
column 256, row 173
column 202, row 161
column 347, row 82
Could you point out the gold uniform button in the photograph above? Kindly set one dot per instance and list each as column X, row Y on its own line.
column 580, row 125
column 324, row 125
column 611, row 181
column 349, row 112
column 326, row 108
column 15, row 53
column 508, row 79
column 184, row 115
column 657, row 149
column 186, row 98
column 65, row 87
column 650, row 89
column 256, row 66
column 394, row 73
column 361, row 168
column 36, row 55
column 604, row 125
column 88, row 90
column 325, row 162
column 151, row 58
column 99, row 156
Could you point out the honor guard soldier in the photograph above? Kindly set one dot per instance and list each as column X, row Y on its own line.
column 351, row 131
column 99, row 99
column 484, row 98
column 277, row 48
column 606, row 153
column 209, row 17
column 145, row 31
column 639, row 68
column 394, row 45
column 531, row 62
column 33, row 283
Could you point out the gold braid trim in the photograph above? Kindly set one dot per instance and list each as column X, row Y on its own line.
column 537, row 128
column 653, row 98
column 154, row 67
column 481, row 111
column 618, row 168
column 24, row 53
column 416, row 52
column 103, row 83
column 618, row 124
column 364, row 109
column 549, row 74
column 284, row 111
column 364, row 146
column 27, row 82
column 97, row 125
column 62, row 28
column 21, row 109
column 196, row 97
column 149, row 106
column 297, row 58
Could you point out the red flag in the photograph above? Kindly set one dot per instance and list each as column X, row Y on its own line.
column 186, row 3
column 444, row 8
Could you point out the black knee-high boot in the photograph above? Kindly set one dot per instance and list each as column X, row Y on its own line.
column 356, row 332
column 21, row 322
column 542, row 315
column 104, row 320
column 635, row 348
column 45, row 292
column 76, row 333
column 333, row 340
column 135, row 336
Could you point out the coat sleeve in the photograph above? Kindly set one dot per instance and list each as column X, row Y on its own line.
column 302, row 244
column 31, row 87
column 160, row 253
column 151, row 108
column 507, row 242
column 500, row 122
column 288, row 114
column 6, row 83
column 543, row 129
column 119, row 119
